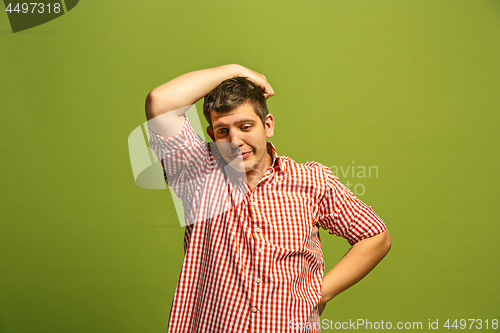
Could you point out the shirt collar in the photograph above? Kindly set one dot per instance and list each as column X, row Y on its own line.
column 277, row 163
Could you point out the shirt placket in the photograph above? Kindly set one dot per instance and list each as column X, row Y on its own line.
column 258, row 240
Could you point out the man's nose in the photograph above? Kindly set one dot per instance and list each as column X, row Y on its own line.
column 235, row 141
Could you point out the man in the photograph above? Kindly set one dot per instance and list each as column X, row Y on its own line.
column 253, row 259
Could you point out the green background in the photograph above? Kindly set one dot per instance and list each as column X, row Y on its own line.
column 411, row 87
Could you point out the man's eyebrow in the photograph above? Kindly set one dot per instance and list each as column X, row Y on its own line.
column 248, row 121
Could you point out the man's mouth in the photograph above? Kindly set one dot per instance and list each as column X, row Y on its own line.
column 241, row 155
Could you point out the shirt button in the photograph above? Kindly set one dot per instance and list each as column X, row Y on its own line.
column 258, row 280
column 260, row 250
column 258, row 229
column 239, row 179
column 254, row 204
column 254, row 310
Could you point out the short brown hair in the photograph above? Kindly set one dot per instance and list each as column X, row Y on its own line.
column 234, row 92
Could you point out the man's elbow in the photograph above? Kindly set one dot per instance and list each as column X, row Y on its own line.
column 386, row 242
column 150, row 103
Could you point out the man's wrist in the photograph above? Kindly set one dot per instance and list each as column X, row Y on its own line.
column 234, row 70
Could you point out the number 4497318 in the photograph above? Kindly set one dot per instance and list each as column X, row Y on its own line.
column 472, row 323
column 34, row 7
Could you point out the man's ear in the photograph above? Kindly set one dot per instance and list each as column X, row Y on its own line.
column 210, row 132
column 269, row 125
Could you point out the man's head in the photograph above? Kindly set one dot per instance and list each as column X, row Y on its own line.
column 240, row 124
column 234, row 92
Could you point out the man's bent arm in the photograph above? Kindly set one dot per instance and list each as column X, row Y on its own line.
column 172, row 99
column 356, row 264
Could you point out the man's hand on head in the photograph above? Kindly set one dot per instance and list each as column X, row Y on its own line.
column 259, row 79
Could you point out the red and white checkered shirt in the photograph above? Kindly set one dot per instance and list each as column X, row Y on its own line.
column 253, row 259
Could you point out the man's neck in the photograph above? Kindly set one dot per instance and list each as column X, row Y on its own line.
column 254, row 176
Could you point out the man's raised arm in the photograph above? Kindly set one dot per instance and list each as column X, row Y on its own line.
column 172, row 99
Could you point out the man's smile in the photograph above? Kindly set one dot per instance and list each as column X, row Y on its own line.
column 241, row 155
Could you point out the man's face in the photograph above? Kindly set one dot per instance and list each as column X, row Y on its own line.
column 242, row 138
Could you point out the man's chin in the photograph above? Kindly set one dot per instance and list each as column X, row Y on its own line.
column 237, row 164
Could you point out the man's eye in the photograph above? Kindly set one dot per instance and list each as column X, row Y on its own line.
column 246, row 127
column 222, row 132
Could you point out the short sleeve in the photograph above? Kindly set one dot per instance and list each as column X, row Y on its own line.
column 184, row 157
column 344, row 215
